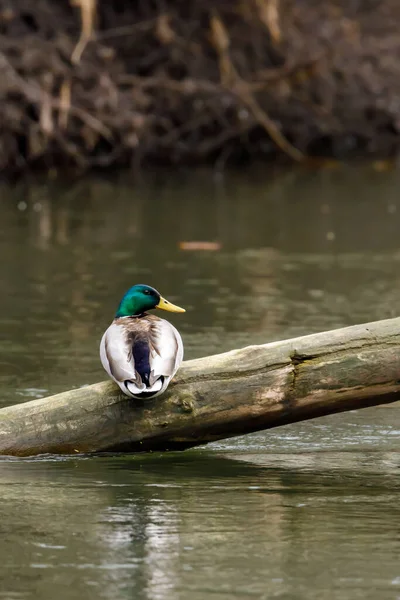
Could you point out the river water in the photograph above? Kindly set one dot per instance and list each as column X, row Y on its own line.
column 307, row 511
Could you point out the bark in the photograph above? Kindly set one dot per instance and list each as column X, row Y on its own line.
column 217, row 397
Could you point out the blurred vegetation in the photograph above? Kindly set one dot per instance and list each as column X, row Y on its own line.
column 97, row 83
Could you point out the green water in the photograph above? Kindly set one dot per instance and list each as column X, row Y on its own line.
column 308, row 511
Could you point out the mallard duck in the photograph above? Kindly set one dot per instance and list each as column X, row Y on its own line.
column 140, row 351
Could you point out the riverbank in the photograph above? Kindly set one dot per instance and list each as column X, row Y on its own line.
column 117, row 84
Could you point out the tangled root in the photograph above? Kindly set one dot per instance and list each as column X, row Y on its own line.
column 97, row 83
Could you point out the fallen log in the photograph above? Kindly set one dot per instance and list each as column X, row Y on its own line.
column 217, row 397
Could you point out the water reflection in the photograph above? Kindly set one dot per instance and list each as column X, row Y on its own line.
column 162, row 527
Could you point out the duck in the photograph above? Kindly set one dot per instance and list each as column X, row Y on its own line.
column 140, row 351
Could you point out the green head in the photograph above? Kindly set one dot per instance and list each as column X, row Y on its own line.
column 140, row 298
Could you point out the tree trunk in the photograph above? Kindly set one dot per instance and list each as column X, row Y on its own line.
column 217, row 397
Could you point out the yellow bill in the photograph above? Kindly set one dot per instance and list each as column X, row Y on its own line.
column 165, row 305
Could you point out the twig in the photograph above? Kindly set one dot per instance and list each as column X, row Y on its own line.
column 269, row 125
column 269, row 15
column 88, row 13
column 65, row 104
column 221, row 43
column 35, row 93
column 190, row 86
column 125, row 30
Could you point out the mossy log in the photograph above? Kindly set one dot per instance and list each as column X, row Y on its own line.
column 217, row 397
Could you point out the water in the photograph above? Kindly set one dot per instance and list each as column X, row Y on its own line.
column 305, row 511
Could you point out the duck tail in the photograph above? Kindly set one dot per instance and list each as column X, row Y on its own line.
column 144, row 391
column 132, row 388
column 157, row 385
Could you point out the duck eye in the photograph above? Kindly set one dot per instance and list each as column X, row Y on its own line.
column 147, row 292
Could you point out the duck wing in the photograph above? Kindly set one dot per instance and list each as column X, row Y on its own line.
column 166, row 349
column 116, row 352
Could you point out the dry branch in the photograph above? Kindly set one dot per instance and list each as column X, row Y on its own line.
column 88, row 83
column 216, row 397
